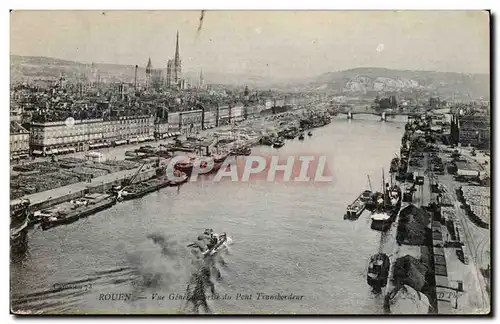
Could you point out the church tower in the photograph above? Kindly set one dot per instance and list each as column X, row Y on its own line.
column 149, row 70
column 202, row 82
column 177, row 62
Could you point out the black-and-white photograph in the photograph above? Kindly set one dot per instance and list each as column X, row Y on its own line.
column 182, row 162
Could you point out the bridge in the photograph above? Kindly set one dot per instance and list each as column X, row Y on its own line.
column 383, row 114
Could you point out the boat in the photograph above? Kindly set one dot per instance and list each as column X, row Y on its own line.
column 185, row 166
column 366, row 196
column 267, row 140
column 218, row 161
column 395, row 164
column 278, row 143
column 355, row 209
column 309, row 133
column 241, row 150
column 209, row 244
column 378, row 271
column 387, row 209
column 388, row 204
column 78, row 208
column 219, row 158
column 146, row 149
column 19, row 216
column 140, row 189
column 301, row 136
column 181, row 178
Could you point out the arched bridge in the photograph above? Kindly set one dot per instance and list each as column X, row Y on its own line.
column 383, row 114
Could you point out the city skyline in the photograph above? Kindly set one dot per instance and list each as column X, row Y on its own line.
column 274, row 44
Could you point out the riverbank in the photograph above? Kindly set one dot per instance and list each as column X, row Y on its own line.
column 246, row 133
column 254, row 214
column 439, row 237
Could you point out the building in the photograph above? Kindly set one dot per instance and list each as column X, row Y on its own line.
column 149, row 69
column 168, row 80
column 201, row 84
column 474, row 130
column 177, row 62
column 82, row 135
column 19, row 141
column 174, row 69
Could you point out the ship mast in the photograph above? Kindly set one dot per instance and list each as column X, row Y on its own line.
column 383, row 186
column 369, row 182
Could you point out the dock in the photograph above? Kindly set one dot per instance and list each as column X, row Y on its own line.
column 49, row 198
column 442, row 238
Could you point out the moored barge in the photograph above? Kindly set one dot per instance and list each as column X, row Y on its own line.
column 19, row 216
column 75, row 209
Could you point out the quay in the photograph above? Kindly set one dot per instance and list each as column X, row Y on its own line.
column 49, row 198
column 246, row 133
column 435, row 249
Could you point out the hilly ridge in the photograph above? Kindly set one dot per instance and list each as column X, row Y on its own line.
column 363, row 81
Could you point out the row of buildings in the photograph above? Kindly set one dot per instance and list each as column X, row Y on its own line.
column 70, row 135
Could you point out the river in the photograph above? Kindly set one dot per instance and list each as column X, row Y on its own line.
column 287, row 239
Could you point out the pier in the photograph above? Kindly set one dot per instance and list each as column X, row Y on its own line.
column 441, row 236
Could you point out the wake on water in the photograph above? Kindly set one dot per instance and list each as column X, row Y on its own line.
column 167, row 263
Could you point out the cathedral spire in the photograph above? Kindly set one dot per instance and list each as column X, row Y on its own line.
column 176, row 59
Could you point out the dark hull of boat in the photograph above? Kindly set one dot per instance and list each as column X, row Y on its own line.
column 147, row 189
column 188, row 170
column 352, row 212
column 382, row 271
column 382, row 226
column 278, row 145
column 352, row 215
column 172, row 183
column 18, row 244
column 241, row 152
column 182, row 149
column 77, row 214
column 385, row 225
column 377, row 282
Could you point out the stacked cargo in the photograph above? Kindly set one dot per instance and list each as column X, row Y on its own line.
column 85, row 172
column 476, row 202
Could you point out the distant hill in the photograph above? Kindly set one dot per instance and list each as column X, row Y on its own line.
column 363, row 82
column 24, row 68
column 372, row 81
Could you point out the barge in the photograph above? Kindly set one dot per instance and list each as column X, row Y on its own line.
column 19, row 216
column 356, row 208
column 140, row 189
column 378, row 271
column 78, row 208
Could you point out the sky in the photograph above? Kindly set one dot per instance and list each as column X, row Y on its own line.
column 277, row 44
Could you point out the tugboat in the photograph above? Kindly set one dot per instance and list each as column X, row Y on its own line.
column 211, row 243
column 301, row 136
column 19, row 215
column 78, row 208
column 378, row 271
column 278, row 143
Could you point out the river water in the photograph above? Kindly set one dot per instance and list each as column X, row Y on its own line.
column 287, row 239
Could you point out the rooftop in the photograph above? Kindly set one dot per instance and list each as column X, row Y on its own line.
column 16, row 128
